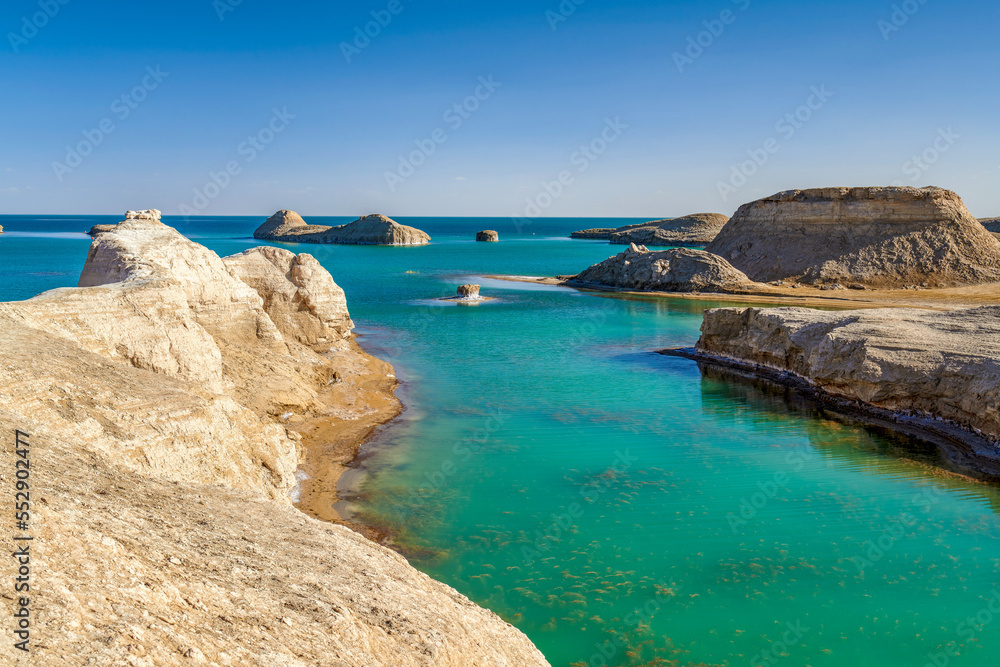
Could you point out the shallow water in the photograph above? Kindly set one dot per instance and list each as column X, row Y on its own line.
column 618, row 506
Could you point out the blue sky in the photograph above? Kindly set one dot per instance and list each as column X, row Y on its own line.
column 255, row 105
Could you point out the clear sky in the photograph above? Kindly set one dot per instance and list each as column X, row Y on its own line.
column 244, row 107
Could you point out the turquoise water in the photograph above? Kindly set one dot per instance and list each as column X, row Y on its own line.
column 618, row 506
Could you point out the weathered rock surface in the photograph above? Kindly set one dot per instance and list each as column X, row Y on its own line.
column 879, row 237
column 991, row 224
column 149, row 214
column 596, row 233
column 468, row 291
column 299, row 295
column 674, row 270
column 945, row 364
column 100, row 229
column 698, row 229
column 288, row 226
column 488, row 236
column 164, row 530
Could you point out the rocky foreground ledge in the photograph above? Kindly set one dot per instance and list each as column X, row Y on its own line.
column 929, row 369
column 160, row 471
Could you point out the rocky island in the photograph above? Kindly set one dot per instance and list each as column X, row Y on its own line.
column 289, row 227
column 697, row 229
column 153, row 398
column 674, row 270
column 488, row 236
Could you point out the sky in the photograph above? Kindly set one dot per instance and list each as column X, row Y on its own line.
column 521, row 108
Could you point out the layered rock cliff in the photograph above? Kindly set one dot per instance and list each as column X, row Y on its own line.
column 674, row 270
column 879, row 237
column 940, row 364
column 288, row 226
column 165, row 533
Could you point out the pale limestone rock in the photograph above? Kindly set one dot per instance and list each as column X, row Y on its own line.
column 941, row 363
column 299, row 295
column 880, row 237
column 288, row 226
column 697, row 229
column 488, row 236
column 674, row 270
column 469, row 291
column 148, row 393
column 150, row 214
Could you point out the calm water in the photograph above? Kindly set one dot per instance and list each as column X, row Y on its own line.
column 620, row 507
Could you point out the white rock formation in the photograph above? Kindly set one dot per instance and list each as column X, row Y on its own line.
column 288, row 226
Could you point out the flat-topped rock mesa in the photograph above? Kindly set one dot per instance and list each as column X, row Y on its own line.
column 943, row 364
column 595, row 233
column 488, row 236
column 152, row 394
column 674, row 270
column 288, row 226
column 697, row 229
column 882, row 237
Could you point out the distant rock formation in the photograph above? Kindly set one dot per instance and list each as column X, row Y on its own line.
column 883, row 237
column 595, row 234
column 992, row 225
column 101, row 229
column 152, row 394
column 468, row 291
column 697, row 229
column 674, row 270
column 1, row 229
column 942, row 364
column 288, row 226
column 149, row 214
column 487, row 236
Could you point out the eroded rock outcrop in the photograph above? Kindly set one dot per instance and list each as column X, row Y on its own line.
column 674, row 270
column 288, row 226
column 944, row 364
column 697, row 229
column 468, row 291
column 878, row 237
column 164, row 526
column 487, row 236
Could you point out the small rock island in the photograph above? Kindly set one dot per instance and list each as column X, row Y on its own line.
column 289, row 227
column 488, row 236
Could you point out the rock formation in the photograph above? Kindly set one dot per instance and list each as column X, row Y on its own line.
column 674, row 270
column 288, row 226
column 1, row 229
column 878, row 237
column 943, row 364
column 698, row 229
column 595, row 233
column 991, row 224
column 100, row 229
column 468, row 291
column 161, row 476
column 488, row 236
column 149, row 214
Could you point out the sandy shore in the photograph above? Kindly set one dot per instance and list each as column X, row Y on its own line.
column 361, row 402
column 808, row 297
